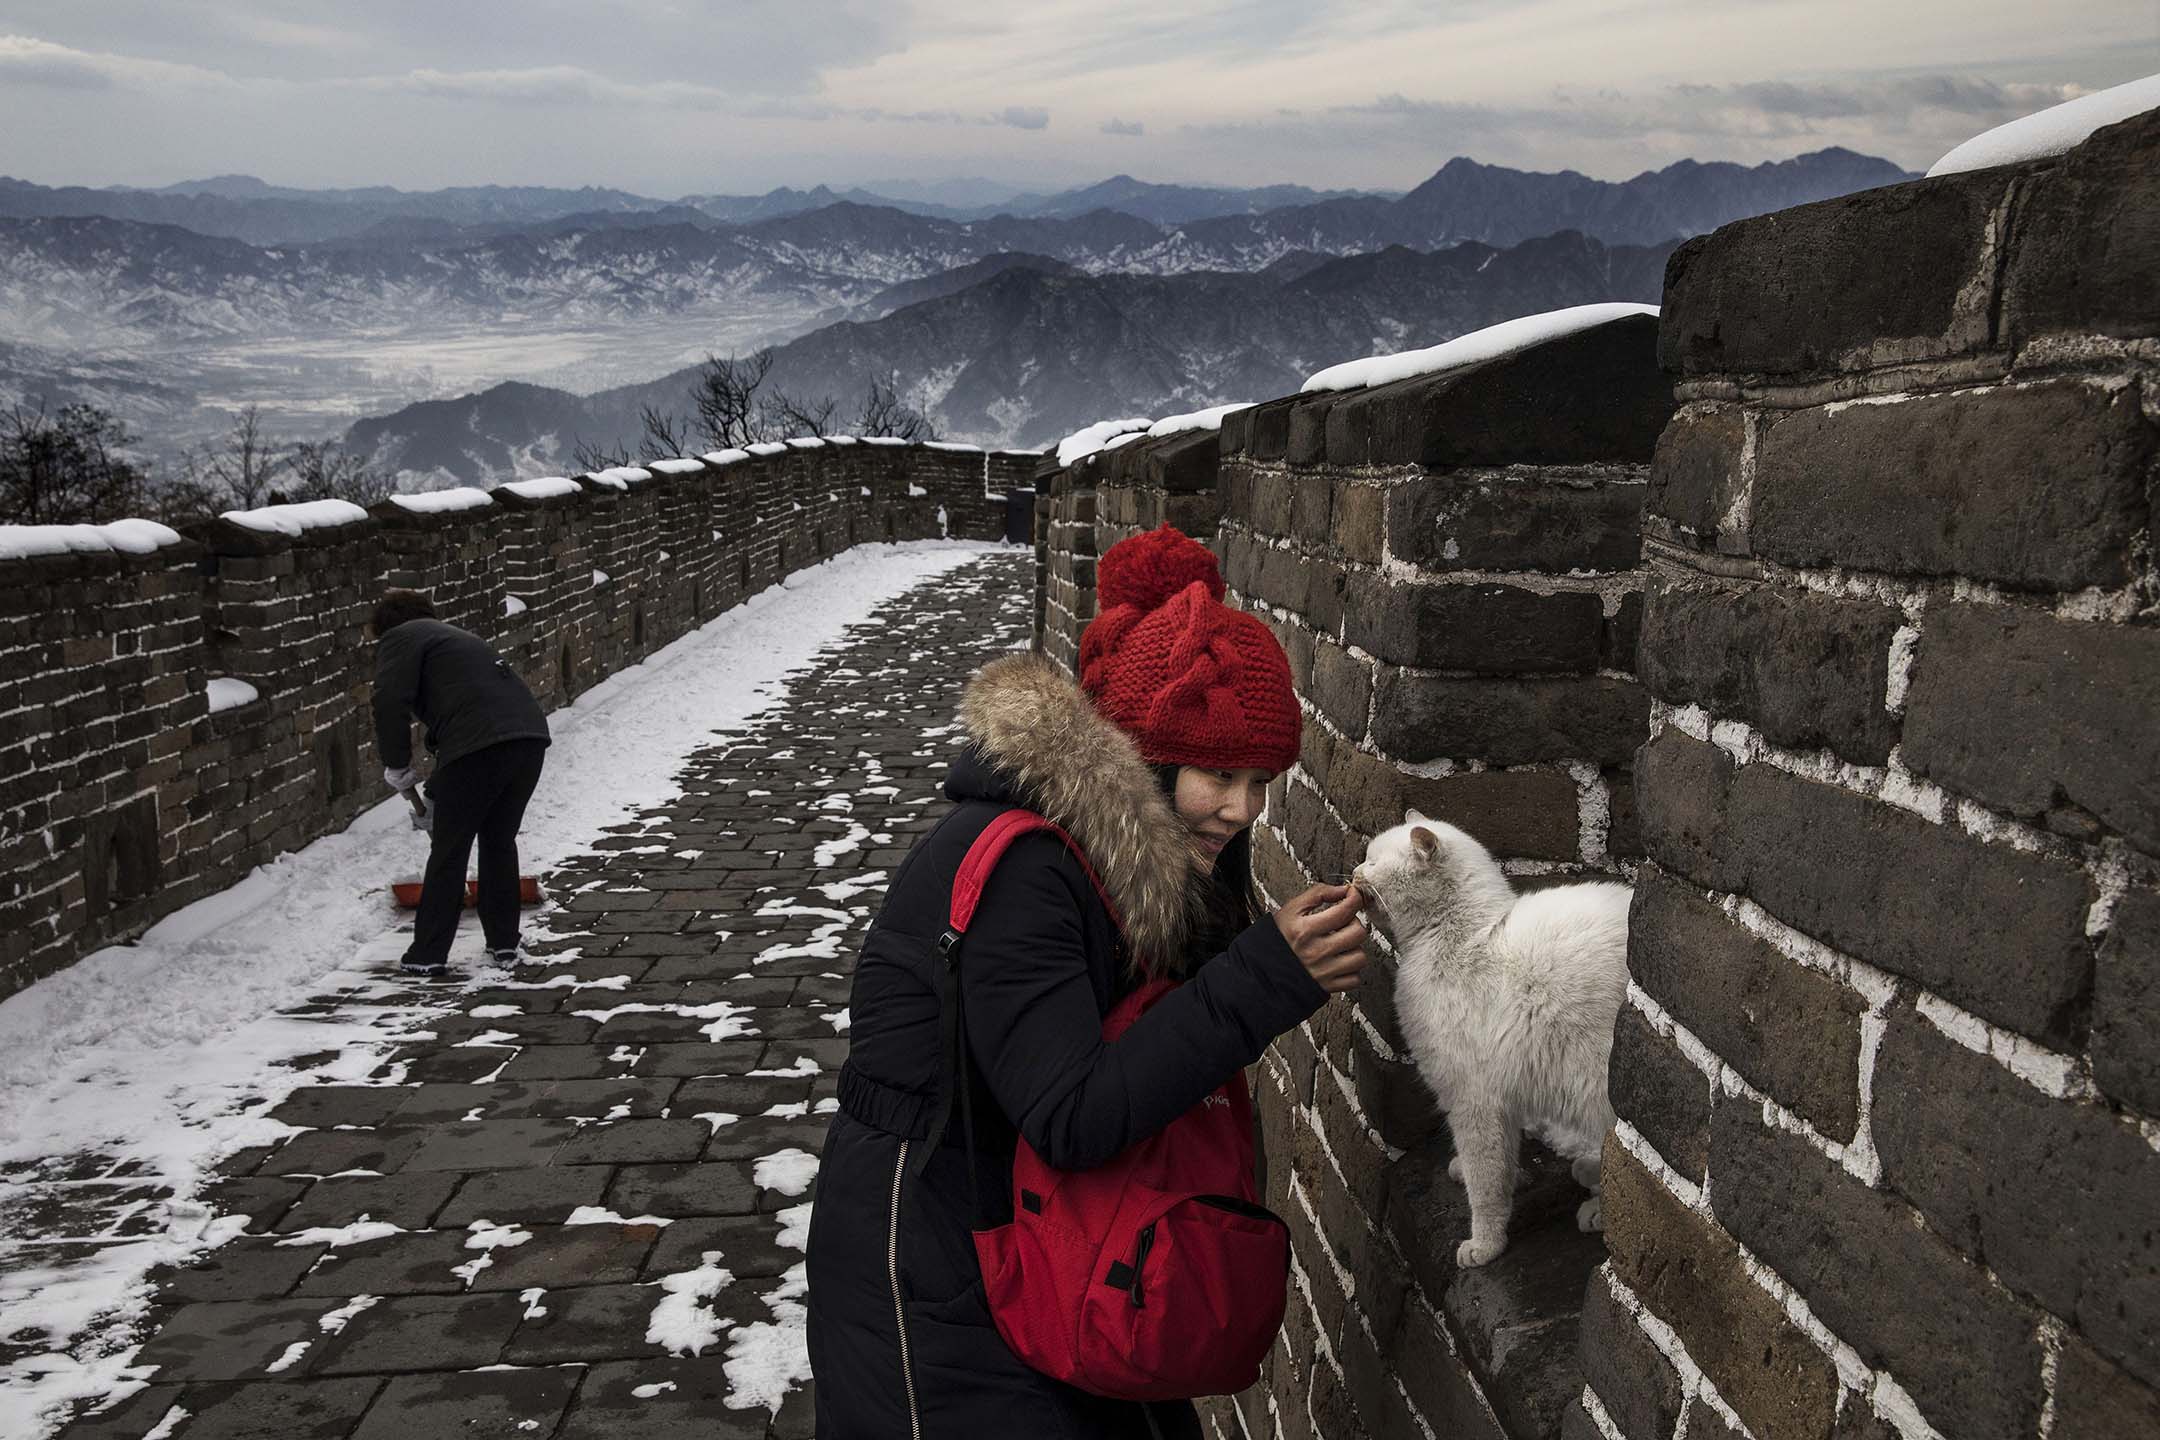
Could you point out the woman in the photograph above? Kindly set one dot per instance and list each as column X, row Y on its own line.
column 1156, row 764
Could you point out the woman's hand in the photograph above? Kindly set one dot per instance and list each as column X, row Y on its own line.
column 1325, row 933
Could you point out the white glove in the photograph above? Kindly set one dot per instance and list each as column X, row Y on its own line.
column 424, row 817
column 400, row 779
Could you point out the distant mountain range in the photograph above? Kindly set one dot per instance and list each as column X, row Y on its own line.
column 86, row 281
column 1463, row 201
column 1034, row 349
column 1006, row 321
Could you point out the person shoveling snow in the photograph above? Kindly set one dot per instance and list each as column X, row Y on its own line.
column 488, row 737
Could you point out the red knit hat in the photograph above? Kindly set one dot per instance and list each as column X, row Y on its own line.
column 1192, row 680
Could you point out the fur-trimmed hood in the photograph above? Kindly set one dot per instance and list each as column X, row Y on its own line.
column 1031, row 722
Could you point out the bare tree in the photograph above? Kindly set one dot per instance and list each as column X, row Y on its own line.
column 325, row 470
column 66, row 468
column 241, row 474
column 590, row 457
column 884, row 413
column 666, row 435
column 730, row 412
column 785, row 415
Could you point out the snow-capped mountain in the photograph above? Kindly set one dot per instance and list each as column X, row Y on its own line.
column 1030, row 352
column 177, row 306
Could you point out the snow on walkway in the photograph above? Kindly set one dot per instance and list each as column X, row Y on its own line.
column 162, row 1057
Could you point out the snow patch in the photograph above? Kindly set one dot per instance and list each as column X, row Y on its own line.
column 681, row 1324
column 768, row 1359
column 600, row 1215
column 338, row 1237
column 1208, row 419
column 1086, row 441
column 551, row 487
column 788, row 1171
column 1474, row 348
column 124, row 537
column 2053, row 130
column 227, row 693
column 297, row 519
column 443, row 502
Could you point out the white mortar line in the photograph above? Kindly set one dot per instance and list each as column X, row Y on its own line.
column 1889, row 1399
column 2108, row 864
column 1372, row 1033
column 2050, row 1333
column 1687, row 1192
column 1694, row 1384
column 2057, row 1076
column 1598, row 1417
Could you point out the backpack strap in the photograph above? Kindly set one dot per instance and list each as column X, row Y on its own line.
column 968, row 883
column 982, row 857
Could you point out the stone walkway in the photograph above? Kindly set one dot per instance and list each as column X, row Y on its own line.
column 578, row 1210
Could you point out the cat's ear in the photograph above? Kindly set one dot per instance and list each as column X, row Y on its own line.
column 1424, row 842
column 1413, row 816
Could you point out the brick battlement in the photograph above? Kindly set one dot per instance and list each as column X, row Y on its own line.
column 126, row 796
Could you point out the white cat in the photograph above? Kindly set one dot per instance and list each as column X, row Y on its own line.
column 1508, row 1003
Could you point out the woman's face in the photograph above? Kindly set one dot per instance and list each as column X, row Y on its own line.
column 1215, row 806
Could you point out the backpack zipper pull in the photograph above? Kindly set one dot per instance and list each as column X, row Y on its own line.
column 1147, row 1243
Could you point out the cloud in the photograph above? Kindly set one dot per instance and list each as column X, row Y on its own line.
column 1988, row 100
column 1024, row 117
column 26, row 60
column 1121, row 127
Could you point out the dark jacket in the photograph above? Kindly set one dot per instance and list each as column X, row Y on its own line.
column 466, row 695
column 890, row 1252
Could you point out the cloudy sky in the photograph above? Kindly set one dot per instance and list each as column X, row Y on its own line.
column 670, row 97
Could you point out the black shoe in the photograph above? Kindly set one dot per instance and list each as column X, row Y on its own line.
column 430, row 970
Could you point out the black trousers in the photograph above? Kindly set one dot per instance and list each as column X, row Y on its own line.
column 480, row 797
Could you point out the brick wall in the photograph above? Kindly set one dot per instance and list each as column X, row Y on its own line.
column 1451, row 564
column 1889, row 1078
column 123, row 797
column 1170, row 479
column 101, row 688
column 1066, row 534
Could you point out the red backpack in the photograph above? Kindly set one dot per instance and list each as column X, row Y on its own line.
column 1154, row 1276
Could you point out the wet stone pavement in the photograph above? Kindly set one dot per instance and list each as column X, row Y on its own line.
column 577, row 1209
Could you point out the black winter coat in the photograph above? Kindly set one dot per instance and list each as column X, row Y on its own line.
column 901, row 1340
column 466, row 695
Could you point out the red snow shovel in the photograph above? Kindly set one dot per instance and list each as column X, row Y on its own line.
column 407, row 892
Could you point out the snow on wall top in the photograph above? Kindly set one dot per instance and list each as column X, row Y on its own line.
column 840, row 440
column 2053, row 130
column 883, row 440
column 767, row 447
column 125, row 537
column 729, row 456
column 1208, row 419
column 1085, row 442
column 299, row 518
column 548, row 488
column 682, row 466
column 1490, row 343
column 437, row 502
column 952, row 445
column 806, row 442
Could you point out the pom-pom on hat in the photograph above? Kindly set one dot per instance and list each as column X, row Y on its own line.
column 1193, row 681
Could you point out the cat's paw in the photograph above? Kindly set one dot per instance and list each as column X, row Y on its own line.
column 1454, row 1169
column 1590, row 1216
column 1474, row 1252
